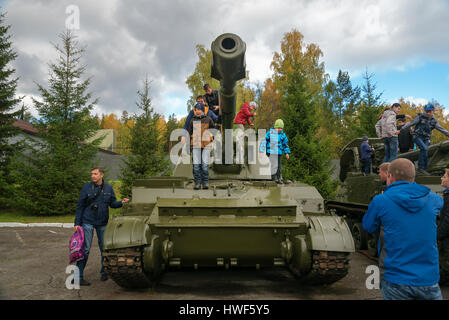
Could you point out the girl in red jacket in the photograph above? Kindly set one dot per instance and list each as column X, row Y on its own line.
column 244, row 115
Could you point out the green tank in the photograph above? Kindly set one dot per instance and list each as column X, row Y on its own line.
column 357, row 190
column 243, row 220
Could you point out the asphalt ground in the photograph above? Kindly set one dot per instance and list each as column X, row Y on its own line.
column 33, row 264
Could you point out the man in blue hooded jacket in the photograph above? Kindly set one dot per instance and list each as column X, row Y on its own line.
column 409, row 257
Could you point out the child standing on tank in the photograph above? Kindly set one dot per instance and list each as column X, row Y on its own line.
column 276, row 144
column 200, row 141
column 424, row 124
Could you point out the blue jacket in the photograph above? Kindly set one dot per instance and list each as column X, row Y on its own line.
column 407, row 213
column 366, row 150
column 275, row 143
column 424, row 126
column 84, row 211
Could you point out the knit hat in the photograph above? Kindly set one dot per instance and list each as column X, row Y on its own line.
column 199, row 105
column 429, row 107
column 279, row 124
column 253, row 104
column 364, row 138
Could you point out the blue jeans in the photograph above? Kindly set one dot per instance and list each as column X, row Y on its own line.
column 392, row 291
column 367, row 166
column 88, row 237
column 391, row 148
column 423, row 145
column 201, row 165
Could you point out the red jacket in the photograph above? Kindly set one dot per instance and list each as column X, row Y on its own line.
column 244, row 115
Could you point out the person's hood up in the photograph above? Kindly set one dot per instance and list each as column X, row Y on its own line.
column 410, row 196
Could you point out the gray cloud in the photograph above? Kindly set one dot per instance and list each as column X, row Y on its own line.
column 127, row 40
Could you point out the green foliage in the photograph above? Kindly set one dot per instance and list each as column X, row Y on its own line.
column 8, row 86
column 310, row 159
column 172, row 124
column 350, row 112
column 370, row 108
column 147, row 158
column 50, row 175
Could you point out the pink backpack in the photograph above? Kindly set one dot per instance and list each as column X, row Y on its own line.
column 77, row 246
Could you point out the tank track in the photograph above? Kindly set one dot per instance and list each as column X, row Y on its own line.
column 327, row 267
column 125, row 267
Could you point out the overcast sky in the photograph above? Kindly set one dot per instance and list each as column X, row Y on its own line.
column 404, row 43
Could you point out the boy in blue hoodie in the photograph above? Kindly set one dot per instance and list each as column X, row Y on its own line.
column 275, row 146
column 407, row 212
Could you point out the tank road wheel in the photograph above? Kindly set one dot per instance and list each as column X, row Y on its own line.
column 327, row 267
column 360, row 236
column 125, row 267
column 372, row 244
column 349, row 222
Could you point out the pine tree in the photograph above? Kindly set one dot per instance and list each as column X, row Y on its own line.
column 8, row 101
column 310, row 158
column 172, row 124
column 370, row 107
column 50, row 178
column 341, row 101
column 147, row 158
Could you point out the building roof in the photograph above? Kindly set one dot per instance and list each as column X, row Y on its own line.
column 30, row 129
column 25, row 126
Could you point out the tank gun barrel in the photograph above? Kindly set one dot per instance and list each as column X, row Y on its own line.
column 228, row 66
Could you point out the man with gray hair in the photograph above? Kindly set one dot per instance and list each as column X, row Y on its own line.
column 407, row 212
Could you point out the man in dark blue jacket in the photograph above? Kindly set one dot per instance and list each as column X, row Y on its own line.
column 92, row 213
column 366, row 155
column 407, row 212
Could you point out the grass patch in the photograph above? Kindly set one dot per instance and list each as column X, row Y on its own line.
column 17, row 216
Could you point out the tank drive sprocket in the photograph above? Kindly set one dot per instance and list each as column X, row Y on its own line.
column 327, row 267
column 125, row 267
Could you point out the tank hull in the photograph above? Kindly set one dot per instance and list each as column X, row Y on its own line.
column 235, row 224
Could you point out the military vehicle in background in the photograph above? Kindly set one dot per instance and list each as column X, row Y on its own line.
column 357, row 190
column 243, row 220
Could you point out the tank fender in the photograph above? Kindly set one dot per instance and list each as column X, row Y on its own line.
column 329, row 233
column 122, row 232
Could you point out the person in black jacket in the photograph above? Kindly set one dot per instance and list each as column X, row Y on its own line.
column 443, row 231
column 212, row 98
column 405, row 138
column 92, row 212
